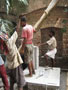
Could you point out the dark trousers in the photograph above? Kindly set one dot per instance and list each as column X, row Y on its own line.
column 24, row 65
column 4, row 77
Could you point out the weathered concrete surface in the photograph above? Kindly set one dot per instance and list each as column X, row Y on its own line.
column 63, row 84
column 63, row 80
column 67, row 82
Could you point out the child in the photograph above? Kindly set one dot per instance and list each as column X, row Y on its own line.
column 52, row 43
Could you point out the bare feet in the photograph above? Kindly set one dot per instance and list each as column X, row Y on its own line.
column 28, row 75
column 33, row 72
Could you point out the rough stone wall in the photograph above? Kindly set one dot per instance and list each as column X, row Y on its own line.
column 57, row 12
column 65, row 44
column 51, row 20
column 33, row 5
column 37, row 4
column 37, row 7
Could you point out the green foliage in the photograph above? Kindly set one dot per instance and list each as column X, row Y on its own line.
column 64, row 29
column 64, row 21
column 9, row 4
column 25, row 2
column 6, row 26
column 66, row 10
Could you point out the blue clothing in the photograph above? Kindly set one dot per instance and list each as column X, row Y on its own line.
column 1, row 61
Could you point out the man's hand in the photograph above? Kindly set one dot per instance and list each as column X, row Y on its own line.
column 21, row 15
column 21, row 51
column 41, row 44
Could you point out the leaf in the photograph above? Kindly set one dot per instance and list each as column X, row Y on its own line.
column 6, row 26
column 25, row 2
column 7, row 6
column 11, row 3
column 64, row 21
column 64, row 29
column 66, row 10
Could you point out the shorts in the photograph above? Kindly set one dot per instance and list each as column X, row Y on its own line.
column 17, row 76
column 28, row 53
column 51, row 53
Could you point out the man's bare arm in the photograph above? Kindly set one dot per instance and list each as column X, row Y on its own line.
column 23, row 43
column 18, row 25
column 43, row 44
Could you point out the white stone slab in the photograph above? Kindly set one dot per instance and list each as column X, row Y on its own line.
column 50, row 77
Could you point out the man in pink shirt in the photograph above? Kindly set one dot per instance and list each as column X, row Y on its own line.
column 27, row 46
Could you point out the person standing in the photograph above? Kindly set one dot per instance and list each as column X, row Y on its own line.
column 27, row 44
column 3, row 73
column 14, row 62
column 52, row 48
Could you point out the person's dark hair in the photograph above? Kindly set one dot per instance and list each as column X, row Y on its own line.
column 23, row 19
column 53, row 33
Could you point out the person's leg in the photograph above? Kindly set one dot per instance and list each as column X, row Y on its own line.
column 4, row 77
column 53, row 62
column 46, row 58
column 25, row 87
column 12, row 75
column 20, row 79
column 33, row 71
column 20, row 88
column 30, row 68
column 27, row 58
column 31, row 59
column 11, row 84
